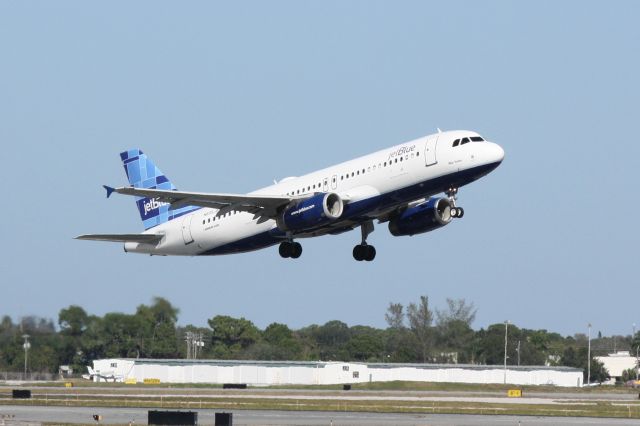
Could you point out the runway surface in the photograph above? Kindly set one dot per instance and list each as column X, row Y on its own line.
column 22, row 415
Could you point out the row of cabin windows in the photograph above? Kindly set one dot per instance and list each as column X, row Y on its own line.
column 467, row 140
column 216, row 217
column 319, row 185
column 353, row 174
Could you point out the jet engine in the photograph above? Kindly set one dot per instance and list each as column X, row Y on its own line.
column 311, row 212
column 432, row 214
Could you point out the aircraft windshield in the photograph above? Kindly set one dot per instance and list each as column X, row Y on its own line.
column 463, row 141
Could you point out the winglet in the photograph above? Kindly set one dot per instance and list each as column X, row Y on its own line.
column 109, row 190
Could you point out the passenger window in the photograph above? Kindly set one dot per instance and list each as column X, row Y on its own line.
column 385, row 164
column 400, row 158
column 418, row 154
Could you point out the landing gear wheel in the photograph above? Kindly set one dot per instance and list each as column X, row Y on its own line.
column 296, row 250
column 290, row 249
column 460, row 212
column 454, row 212
column 364, row 252
column 358, row 252
column 370, row 253
column 285, row 249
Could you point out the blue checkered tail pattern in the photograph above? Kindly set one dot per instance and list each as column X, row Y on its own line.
column 143, row 173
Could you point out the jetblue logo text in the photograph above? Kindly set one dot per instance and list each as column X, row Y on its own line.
column 405, row 150
column 152, row 204
column 301, row 210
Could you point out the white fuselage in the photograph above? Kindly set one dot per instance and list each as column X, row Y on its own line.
column 393, row 177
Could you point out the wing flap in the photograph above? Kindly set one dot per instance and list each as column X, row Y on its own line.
column 123, row 238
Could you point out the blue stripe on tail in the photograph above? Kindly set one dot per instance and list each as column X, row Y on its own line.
column 142, row 173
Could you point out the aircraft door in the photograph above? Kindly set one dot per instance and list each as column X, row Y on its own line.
column 325, row 184
column 334, row 182
column 430, row 151
column 186, row 229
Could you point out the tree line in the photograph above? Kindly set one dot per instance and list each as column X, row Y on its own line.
column 415, row 333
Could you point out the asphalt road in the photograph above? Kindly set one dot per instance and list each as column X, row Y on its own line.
column 21, row 415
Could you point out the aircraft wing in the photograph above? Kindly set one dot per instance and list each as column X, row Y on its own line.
column 123, row 238
column 260, row 205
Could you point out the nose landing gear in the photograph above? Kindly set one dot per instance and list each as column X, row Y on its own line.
column 452, row 194
column 457, row 212
column 364, row 251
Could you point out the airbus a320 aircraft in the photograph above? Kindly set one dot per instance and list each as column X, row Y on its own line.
column 396, row 185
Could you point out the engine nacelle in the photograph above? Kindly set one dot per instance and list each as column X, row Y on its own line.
column 311, row 212
column 432, row 214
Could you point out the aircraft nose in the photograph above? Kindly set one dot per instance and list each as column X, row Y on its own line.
column 497, row 153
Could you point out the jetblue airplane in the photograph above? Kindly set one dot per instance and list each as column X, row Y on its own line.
column 398, row 185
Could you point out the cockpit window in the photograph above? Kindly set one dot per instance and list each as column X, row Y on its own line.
column 476, row 139
column 464, row 140
column 456, row 142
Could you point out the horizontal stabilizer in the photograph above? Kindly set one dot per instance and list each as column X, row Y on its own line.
column 123, row 238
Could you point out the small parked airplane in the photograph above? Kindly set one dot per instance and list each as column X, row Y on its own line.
column 396, row 185
column 98, row 377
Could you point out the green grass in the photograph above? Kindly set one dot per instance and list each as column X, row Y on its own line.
column 462, row 387
column 84, row 385
column 589, row 409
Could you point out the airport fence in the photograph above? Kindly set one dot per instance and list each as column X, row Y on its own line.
column 30, row 376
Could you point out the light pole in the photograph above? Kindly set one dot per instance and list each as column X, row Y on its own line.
column 506, row 327
column 589, row 358
column 633, row 335
column 637, row 344
column 26, row 345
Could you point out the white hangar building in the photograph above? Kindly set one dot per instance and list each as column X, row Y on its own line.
column 617, row 363
column 267, row 373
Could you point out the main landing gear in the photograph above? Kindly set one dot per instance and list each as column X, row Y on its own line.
column 452, row 195
column 290, row 249
column 364, row 251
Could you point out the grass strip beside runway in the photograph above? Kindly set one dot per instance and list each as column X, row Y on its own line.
column 626, row 409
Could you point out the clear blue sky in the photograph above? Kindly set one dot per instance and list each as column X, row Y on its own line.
column 225, row 97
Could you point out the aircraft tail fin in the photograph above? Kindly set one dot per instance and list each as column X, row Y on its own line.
column 143, row 173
